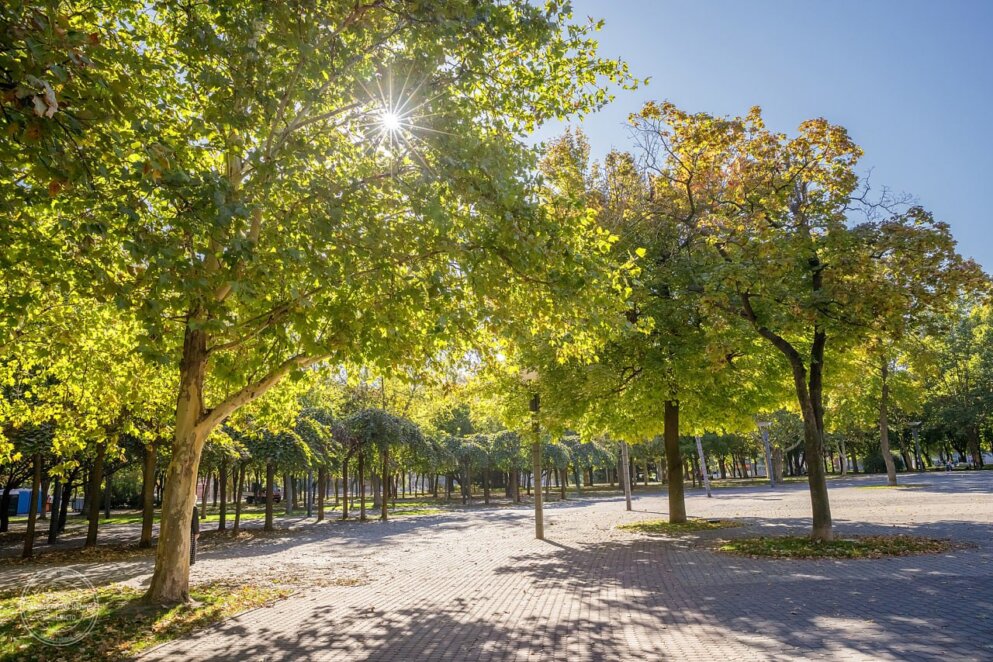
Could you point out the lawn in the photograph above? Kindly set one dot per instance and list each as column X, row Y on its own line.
column 857, row 547
column 110, row 623
column 663, row 527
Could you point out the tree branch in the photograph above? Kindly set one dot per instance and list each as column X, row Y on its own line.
column 216, row 415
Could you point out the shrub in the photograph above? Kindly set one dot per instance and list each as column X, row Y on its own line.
column 874, row 463
column 126, row 488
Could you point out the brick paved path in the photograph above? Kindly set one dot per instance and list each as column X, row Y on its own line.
column 475, row 586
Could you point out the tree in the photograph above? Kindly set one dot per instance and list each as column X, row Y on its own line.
column 249, row 252
column 190, row 181
column 955, row 361
column 377, row 430
column 507, row 453
column 775, row 249
column 315, row 426
column 659, row 359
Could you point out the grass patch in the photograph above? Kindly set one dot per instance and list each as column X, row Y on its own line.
column 122, row 627
column 899, row 486
column 860, row 547
column 414, row 512
column 662, row 527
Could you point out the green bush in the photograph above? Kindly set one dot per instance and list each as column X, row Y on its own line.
column 874, row 463
column 125, row 488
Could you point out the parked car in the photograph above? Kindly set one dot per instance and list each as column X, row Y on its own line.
column 258, row 496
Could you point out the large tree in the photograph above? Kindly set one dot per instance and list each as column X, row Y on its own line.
column 659, row 360
column 775, row 245
column 282, row 183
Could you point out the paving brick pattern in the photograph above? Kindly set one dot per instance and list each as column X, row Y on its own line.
column 475, row 585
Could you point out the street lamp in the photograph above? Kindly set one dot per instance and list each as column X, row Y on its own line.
column 703, row 464
column 764, row 428
column 530, row 377
column 915, row 426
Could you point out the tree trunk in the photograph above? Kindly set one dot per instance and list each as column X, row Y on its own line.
column 486, row 485
column 625, row 475
column 270, row 478
column 170, row 581
column 385, row 480
column 287, row 499
column 777, row 464
column 322, row 479
column 222, row 515
column 562, row 481
column 972, row 445
column 96, row 477
column 811, row 408
column 884, row 432
column 66, row 496
column 362, row 486
column 33, row 508
column 45, row 484
column 107, row 493
column 147, row 497
column 238, row 490
column 53, row 522
column 674, row 464
column 344, row 488
column 5, row 507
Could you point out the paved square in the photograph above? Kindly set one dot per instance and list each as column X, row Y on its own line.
column 474, row 585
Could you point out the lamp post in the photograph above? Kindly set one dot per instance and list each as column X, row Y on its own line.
column 529, row 377
column 915, row 426
column 764, row 428
column 625, row 475
column 703, row 464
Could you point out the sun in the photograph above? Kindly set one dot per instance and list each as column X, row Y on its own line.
column 395, row 118
column 391, row 121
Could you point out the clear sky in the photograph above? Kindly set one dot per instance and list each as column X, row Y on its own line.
column 912, row 80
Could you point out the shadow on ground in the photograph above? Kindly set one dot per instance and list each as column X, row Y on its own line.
column 674, row 598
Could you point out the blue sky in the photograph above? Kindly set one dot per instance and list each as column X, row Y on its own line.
column 912, row 80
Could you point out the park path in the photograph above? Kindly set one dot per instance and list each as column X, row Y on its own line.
column 476, row 586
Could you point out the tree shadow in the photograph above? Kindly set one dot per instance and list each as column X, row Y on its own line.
column 637, row 596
